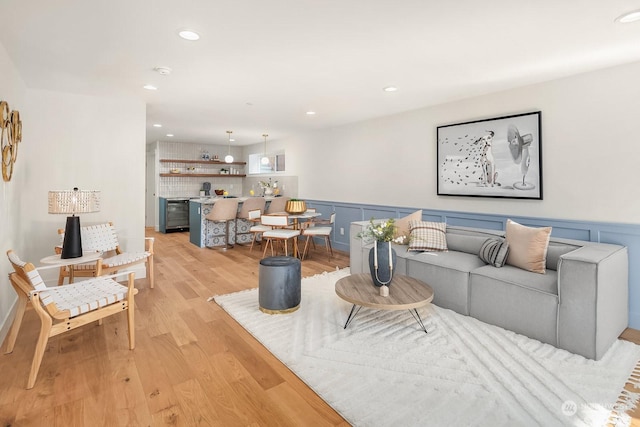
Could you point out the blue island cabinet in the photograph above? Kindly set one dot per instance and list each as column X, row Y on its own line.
column 195, row 223
column 200, row 234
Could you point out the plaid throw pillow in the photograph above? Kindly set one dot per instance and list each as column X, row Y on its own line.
column 494, row 252
column 427, row 236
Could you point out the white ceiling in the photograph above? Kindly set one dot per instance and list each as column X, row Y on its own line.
column 261, row 64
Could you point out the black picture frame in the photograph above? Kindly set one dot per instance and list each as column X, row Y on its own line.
column 499, row 157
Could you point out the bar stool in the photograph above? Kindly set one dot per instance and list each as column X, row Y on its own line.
column 277, row 205
column 223, row 211
column 246, row 220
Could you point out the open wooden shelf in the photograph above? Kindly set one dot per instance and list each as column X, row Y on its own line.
column 201, row 162
column 205, row 175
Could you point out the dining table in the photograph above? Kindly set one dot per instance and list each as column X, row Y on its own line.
column 305, row 216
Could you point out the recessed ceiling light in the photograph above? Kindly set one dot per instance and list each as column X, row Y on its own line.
column 311, row 113
column 390, row 89
column 165, row 71
column 169, row 135
column 629, row 17
column 157, row 125
column 150, row 87
column 189, row 35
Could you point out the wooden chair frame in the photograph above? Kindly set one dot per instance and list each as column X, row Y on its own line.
column 103, row 238
column 28, row 285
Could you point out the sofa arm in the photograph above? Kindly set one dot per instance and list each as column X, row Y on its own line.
column 355, row 247
column 593, row 291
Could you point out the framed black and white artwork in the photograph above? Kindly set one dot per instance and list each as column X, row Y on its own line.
column 498, row 157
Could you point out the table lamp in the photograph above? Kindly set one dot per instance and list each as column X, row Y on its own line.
column 73, row 202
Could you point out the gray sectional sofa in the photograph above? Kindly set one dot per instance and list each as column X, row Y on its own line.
column 580, row 304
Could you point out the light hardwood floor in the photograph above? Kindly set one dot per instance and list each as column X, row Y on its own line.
column 192, row 365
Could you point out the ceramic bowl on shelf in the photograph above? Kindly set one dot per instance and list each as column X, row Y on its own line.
column 174, row 170
column 219, row 192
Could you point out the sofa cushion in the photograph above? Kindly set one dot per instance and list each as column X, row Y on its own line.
column 403, row 231
column 427, row 236
column 494, row 252
column 547, row 283
column 527, row 246
column 448, row 274
column 516, row 299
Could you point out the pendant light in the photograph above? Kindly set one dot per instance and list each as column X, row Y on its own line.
column 229, row 158
column 265, row 160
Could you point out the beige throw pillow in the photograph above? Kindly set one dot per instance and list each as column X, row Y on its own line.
column 527, row 246
column 402, row 227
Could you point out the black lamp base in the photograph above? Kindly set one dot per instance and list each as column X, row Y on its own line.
column 72, row 244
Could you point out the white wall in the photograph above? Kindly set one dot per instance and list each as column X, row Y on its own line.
column 90, row 143
column 590, row 145
column 13, row 91
column 70, row 141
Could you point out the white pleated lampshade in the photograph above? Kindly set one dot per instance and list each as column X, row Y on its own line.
column 74, row 201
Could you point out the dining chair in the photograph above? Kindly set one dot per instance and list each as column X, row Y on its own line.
column 315, row 231
column 104, row 238
column 244, row 221
column 223, row 211
column 280, row 232
column 257, row 229
column 64, row 308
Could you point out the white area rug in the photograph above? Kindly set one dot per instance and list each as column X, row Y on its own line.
column 384, row 371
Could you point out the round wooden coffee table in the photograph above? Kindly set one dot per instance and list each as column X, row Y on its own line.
column 405, row 293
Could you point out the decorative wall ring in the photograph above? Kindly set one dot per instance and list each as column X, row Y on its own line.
column 10, row 136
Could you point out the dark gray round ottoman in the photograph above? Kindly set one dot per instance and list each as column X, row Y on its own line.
column 279, row 284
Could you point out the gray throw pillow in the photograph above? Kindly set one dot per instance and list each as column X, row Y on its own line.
column 494, row 252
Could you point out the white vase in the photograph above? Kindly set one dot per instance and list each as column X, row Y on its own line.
column 268, row 191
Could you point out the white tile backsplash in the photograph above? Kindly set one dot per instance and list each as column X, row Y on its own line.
column 191, row 186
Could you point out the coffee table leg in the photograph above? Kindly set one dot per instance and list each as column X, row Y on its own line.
column 352, row 315
column 416, row 316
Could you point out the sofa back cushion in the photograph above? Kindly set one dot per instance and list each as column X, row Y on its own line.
column 469, row 240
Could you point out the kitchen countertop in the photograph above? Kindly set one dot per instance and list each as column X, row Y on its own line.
column 206, row 200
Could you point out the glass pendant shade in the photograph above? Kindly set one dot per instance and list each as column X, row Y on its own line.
column 265, row 160
column 229, row 158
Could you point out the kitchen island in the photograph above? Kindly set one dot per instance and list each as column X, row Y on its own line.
column 199, row 208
